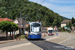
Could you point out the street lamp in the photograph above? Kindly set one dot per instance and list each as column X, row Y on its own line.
column 21, row 21
column 24, row 23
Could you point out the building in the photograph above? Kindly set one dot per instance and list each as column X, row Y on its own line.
column 5, row 19
column 64, row 22
column 21, row 22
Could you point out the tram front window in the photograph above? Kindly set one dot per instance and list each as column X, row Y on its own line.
column 35, row 28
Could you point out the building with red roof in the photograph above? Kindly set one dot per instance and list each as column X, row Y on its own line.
column 5, row 19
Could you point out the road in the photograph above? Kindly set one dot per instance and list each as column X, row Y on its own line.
column 58, row 43
column 70, row 42
column 64, row 42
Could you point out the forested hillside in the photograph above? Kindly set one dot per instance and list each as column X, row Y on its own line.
column 33, row 11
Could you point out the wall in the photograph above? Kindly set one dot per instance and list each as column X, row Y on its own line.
column 62, row 25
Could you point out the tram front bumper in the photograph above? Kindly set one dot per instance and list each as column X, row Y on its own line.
column 34, row 36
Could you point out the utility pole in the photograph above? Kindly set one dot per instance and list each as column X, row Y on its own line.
column 20, row 23
column 24, row 24
column 38, row 15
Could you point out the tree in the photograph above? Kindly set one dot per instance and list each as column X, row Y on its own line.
column 8, row 26
column 73, row 21
column 33, row 10
column 55, row 22
column 69, row 24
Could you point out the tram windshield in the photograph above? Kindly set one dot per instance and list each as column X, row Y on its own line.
column 35, row 27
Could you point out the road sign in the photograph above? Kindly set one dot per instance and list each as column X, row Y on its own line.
column 56, row 34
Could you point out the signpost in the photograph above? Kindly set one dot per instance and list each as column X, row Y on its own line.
column 56, row 34
column 56, row 30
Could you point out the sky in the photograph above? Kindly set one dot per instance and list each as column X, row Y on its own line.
column 64, row 8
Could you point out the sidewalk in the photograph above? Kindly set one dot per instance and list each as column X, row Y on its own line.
column 22, row 44
column 43, row 37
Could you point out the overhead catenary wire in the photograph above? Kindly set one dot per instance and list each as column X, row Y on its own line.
column 39, row 1
column 42, row 2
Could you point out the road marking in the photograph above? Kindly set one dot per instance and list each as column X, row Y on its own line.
column 64, row 40
column 41, row 49
column 52, row 38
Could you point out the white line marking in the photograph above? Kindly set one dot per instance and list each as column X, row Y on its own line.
column 65, row 40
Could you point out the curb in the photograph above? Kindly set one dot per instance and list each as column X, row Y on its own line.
column 10, row 41
column 7, row 41
column 24, row 39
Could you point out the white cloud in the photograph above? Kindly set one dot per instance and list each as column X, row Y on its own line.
column 68, row 15
column 63, row 10
column 62, row 1
column 66, row 11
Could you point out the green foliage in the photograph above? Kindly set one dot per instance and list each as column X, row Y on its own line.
column 8, row 26
column 69, row 24
column 61, row 29
column 73, row 21
column 22, row 36
column 33, row 10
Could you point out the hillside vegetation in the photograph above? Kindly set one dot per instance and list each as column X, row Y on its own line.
column 33, row 11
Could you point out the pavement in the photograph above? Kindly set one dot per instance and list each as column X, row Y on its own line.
column 44, row 36
column 23, row 43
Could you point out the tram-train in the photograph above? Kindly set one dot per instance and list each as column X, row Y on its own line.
column 34, row 30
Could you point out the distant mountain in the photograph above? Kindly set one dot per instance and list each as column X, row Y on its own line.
column 66, row 18
column 32, row 11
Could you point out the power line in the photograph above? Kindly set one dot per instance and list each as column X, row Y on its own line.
column 37, row 1
column 43, row 1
